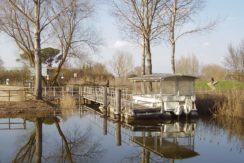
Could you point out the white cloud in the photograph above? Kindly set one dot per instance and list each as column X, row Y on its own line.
column 121, row 44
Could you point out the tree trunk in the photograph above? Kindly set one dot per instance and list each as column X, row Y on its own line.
column 38, row 151
column 143, row 69
column 38, row 66
column 173, row 57
column 148, row 57
column 172, row 35
column 148, row 62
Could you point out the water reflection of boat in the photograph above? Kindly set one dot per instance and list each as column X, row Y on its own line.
column 174, row 141
column 165, row 140
column 164, row 148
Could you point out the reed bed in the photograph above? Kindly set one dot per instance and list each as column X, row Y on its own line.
column 221, row 103
column 231, row 106
column 67, row 105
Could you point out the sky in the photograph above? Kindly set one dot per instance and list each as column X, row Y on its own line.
column 209, row 47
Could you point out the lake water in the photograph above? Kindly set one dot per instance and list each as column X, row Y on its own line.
column 84, row 136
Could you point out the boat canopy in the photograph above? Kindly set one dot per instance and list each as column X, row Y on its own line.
column 161, row 76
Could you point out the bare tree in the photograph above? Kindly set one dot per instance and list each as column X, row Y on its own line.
column 188, row 65
column 140, row 21
column 75, row 39
column 234, row 60
column 213, row 71
column 24, row 21
column 179, row 13
column 122, row 64
column 31, row 23
column 136, row 71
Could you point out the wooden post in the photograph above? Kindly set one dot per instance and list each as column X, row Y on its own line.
column 156, row 87
column 117, row 102
column 105, row 96
column 62, row 91
column 135, row 89
column 9, row 123
column 72, row 93
column 144, row 88
column 118, row 134
column 45, row 92
column 105, row 125
column 24, row 124
column 25, row 94
column 79, row 94
column 9, row 95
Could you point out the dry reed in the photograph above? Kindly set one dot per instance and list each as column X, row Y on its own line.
column 231, row 106
column 67, row 105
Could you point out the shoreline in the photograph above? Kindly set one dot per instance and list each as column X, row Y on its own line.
column 37, row 108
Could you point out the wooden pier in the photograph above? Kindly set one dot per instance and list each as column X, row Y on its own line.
column 114, row 102
column 117, row 102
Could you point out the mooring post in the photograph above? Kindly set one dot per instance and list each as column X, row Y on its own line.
column 117, row 102
column 105, row 100
column 118, row 134
column 105, row 125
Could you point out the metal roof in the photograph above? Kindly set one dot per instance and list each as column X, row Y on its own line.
column 161, row 76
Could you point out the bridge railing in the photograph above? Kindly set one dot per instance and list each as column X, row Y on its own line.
column 94, row 93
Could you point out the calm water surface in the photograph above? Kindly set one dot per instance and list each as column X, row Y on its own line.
column 83, row 136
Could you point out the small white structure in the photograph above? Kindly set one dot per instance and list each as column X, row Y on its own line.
column 7, row 81
column 172, row 93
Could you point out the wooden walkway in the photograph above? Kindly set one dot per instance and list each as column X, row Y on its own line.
column 116, row 101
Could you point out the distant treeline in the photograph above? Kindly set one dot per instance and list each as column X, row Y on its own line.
column 15, row 76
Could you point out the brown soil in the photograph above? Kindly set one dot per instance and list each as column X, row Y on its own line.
column 36, row 108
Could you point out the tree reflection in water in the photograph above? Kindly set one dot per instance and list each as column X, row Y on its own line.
column 32, row 147
column 77, row 146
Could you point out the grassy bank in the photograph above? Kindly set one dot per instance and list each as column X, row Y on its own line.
column 223, row 85
column 226, row 100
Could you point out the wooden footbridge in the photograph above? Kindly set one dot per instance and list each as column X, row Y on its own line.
column 114, row 101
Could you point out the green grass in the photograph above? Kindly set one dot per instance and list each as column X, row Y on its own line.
column 223, row 85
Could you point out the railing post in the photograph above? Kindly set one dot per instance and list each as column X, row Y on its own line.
column 54, row 91
column 45, row 91
column 25, row 94
column 72, row 93
column 117, row 102
column 62, row 91
column 79, row 94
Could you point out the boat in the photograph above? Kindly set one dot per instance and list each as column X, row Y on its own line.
column 171, row 93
